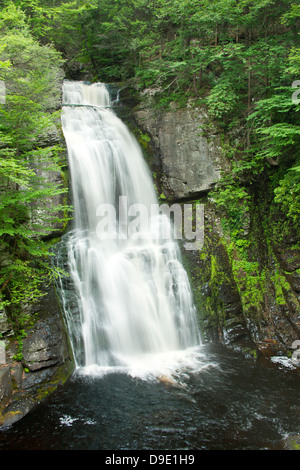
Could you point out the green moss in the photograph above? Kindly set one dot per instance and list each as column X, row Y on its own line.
column 251, row 352
column 60, row 377
column 295, row 445
column 256, row 269
column 208, row 273
column 243, row 261
column 250, row 280
column 9, row 417
column 280, row 285
column 143, row 139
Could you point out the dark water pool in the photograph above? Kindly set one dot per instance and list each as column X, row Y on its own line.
column 233, row 404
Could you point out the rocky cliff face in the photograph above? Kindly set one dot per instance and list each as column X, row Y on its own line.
column 191, row 159
column 190, row 154
column 51, row 138
column 34, row 365
column 44, row 362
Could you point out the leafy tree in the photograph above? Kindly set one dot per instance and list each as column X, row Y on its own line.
column 237, row 58
column 32, row 83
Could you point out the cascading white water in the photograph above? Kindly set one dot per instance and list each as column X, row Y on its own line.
column 136, row 307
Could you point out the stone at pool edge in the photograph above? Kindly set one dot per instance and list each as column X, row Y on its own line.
column 47, row 359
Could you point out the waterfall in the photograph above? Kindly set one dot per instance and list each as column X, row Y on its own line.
column 135, row 307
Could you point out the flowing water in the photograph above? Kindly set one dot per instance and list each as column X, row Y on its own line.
column 143, row 380
column 229, row 403
column 135, row 304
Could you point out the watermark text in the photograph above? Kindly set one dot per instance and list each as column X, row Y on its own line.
column 158, row 222
column 2, row 353
column 295, row 99
column 2, row 92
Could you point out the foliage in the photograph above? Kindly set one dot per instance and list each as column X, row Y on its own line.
column 238, row 59
column 222, row 100
column 287, row 195
column 32, row 82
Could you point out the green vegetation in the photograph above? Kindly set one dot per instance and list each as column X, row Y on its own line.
column 237, row 59
column 31, row 73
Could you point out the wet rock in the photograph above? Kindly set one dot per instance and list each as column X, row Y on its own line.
column 16, row 410
column 289, row 258
column 234, row 331
column 231, row 309
column 5, row 382
column 35, row 379
column 17, row 374
column 5, row 328
column 292, row 442
column 191, row 157
column 47, row 361
column 44, row 347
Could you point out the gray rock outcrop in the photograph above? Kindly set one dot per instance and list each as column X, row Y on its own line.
column 191, row 158
column 45, row 363
column 187, row 152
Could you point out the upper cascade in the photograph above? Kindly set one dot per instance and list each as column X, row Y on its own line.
column 81, row 93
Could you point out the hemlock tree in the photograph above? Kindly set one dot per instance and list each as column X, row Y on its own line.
column 32, row 75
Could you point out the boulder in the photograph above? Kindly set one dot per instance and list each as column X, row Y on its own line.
column 5, row 327
column 5, row 382
column 44, row 345
column 47, row 361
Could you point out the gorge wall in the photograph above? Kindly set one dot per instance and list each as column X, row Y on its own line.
column 255, row 311
column 191, row 162
column 246, row 298
column 43, row 363
column 35, row 363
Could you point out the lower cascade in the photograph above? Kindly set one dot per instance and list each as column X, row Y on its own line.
column 132, row 306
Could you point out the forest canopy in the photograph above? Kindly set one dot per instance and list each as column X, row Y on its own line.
column 239, row 59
